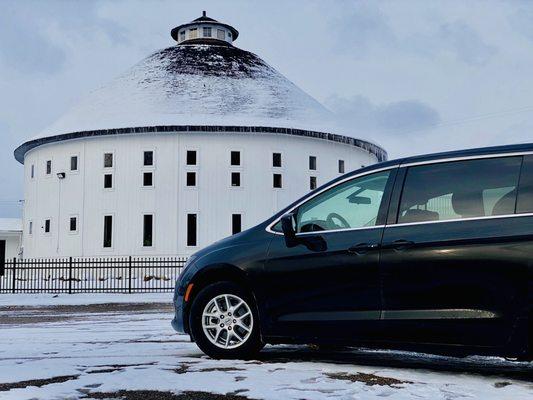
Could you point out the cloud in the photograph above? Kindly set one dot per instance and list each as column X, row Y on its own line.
column 455, row 38
column 24, row 46
column 360, row 113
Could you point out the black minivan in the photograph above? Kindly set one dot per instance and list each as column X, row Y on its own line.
column 431, row 253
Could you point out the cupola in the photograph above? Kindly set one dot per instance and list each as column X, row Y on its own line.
column 204, row 30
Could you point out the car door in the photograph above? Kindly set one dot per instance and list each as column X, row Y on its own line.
column 328, row 285
column 453, row 252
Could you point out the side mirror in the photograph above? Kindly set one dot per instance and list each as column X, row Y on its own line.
column 287, row 226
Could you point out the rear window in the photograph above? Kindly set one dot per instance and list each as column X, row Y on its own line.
column 460, row 189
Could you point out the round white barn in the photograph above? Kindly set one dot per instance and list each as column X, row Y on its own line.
column 196, row 142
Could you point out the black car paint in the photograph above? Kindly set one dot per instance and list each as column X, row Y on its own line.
column 372, row 297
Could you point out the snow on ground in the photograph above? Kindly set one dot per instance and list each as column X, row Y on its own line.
column 44, row 299
column 70, row 349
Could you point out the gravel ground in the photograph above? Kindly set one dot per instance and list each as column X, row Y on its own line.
column 128, row 351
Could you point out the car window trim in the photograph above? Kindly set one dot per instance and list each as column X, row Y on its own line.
column 403, row 167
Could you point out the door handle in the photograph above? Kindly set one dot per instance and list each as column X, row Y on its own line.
column 401, row 244
column 362, row 248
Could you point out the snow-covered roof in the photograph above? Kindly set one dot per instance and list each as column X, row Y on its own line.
column 193, row 85
column 10, row 225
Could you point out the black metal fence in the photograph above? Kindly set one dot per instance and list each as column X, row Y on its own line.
column 86, row 275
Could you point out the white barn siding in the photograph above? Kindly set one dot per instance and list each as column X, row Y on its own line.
column 170, row 200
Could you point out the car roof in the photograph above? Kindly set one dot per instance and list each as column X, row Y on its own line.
column 479, row 151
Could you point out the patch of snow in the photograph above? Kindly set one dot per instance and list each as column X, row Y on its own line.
column 42, row 299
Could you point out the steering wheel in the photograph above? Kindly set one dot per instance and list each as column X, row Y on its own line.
column 332, row 216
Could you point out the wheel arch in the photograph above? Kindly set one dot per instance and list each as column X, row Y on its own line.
column 208, row 275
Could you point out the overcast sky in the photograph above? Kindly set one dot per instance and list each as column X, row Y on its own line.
column 414, row 76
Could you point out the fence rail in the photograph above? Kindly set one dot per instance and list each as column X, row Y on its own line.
column 90, row 275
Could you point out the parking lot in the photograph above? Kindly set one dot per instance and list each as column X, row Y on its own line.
column 120, row 347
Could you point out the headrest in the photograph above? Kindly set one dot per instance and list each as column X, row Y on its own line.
column 417, row 215
column 506, row 204
column 468, row 204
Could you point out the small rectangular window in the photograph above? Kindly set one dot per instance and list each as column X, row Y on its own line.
column 221, row 34
column 235, row 158
column 148, row 226
column 108, row 231
column 191, row 229
column 32, row 173
column 74, row 163
column 277, row 181
column 47, row 226
column 73, row 225
column 236, row 223
column 312, row 163
column 48, row 167
column 191, row 178
column 235, row 179
column 148, row 179
column 108, row 181
column 341, row 166
column 207, row 32
column 193, row 33
column 276, row 159
column 30, row 228
column 148, row 159
column 312, row 182
column 191, row 157
column 182, row 35
column 108, row 160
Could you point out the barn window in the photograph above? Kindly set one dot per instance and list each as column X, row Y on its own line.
column 148, row 226
column 108, row 181
column 312, row 182
column 108, row 160
column 341, row 166
column 207, row 32
column 191, row 157
column 32, row 173
column 236, row 223
column 276, row 159
column 277, row 181
column 30, row 228
column 47, row 224
column 148, row 179
column 235, row 158
column 148, row 158
column 235, row 179
column 108, row 231
column 312, row 163
column 192, row 220
column 73, row 224
column 74, row 163
column 193, row 33
column 191, row 178
column 48, row 167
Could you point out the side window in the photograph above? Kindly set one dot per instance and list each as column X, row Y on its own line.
column 353, row 204
column 460, row 189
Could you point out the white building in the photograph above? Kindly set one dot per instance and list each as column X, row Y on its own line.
column 196, row 142
column 10, row 238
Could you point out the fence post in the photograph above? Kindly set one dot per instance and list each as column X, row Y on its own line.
column 14, row 273
column 70, row 275
column 129, row 275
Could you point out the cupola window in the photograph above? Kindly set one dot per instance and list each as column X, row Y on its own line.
column 221, row 34
column 207, row 31
column 182, row 36
column 193, row 33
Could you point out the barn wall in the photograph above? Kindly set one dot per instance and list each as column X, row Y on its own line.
column 82, row 194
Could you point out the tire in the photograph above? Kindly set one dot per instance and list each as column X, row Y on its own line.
column 224, row 336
